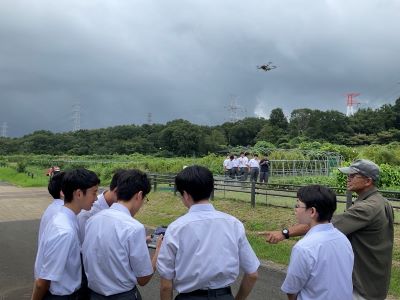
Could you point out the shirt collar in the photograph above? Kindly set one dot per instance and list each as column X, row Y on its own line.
column 70, row 214
column 58, row 201
column 367, row 193
column 320, row 227
column 102, row 200
column 201, row 207
column 120, row 207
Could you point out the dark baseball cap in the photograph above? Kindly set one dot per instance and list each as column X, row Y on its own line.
column 364, row 167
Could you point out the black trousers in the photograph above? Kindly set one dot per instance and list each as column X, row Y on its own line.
column 130, row 295
column 220, row 294
column 50, row 296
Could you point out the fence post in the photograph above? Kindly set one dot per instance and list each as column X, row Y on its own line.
column 155, row 183
column 175, row 190
column 253, row 193
column 212, row 195
column 349, row 199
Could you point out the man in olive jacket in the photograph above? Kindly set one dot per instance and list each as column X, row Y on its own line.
column 368, row 224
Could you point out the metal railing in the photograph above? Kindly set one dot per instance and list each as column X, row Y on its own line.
column 252, row 188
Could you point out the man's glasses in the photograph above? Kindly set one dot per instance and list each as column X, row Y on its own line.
column 298, row 206
column 355, row 175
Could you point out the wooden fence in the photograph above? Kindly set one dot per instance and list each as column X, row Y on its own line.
column 166, row 182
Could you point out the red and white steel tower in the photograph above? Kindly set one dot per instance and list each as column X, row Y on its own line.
column 351, row 102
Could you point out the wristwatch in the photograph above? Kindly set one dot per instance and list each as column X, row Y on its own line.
column 285, row 233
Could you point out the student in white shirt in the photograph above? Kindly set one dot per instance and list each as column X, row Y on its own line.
column 203, row 251
column 115, row 253
column 321, row 263
column 104, row 201
column 58, row 263
column 54, row 188
column 254, row 167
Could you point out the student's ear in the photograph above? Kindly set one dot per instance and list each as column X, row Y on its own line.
column 314, row 212
column 140, row 195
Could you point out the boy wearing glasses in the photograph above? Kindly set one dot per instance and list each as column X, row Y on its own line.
column 368, row 224
column 321, row 263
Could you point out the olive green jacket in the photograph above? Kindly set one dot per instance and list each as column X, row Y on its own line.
column 368, row 224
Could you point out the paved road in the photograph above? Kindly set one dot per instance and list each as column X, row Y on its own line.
column 20, row 210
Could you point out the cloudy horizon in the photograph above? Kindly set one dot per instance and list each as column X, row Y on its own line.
column 122, row 60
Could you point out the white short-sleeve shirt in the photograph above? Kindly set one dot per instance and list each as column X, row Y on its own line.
column 58, row 258
column 243, row 162
column 321, row 265
column 204, row 249
column 254, row 163
column 48, row 214
column 84, row 215
column 114, row 251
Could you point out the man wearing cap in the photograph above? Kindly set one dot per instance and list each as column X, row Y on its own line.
column 369, row 226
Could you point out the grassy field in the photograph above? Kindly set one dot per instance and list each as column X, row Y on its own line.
column 164, row 207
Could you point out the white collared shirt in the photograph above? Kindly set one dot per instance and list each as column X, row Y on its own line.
column 84, row 215
column 115, row 251
column 321, row 265
column 254, row 163
column 226, row 162
column 236, row 162
column 48, row 214
column 243, row 162
column 204, row 249
column 58, row 258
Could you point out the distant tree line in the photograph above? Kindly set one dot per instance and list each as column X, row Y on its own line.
column 182, row 138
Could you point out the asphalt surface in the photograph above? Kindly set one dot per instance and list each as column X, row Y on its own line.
column 19, row 222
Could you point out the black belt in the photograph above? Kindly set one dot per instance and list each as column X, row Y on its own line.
column 210, row 292
column 133, row 291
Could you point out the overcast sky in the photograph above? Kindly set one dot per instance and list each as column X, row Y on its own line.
column 120, row 60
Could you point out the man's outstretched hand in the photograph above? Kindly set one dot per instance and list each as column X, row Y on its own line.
column 272, row 237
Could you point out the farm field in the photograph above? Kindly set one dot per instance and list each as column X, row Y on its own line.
column 270, row 213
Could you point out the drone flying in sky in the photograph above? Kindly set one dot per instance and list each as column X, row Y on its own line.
column 267, row 67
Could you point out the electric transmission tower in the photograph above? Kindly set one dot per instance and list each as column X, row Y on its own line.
column 149, row 118
column 350, row 103
column 4, row 129
column 76, row 110
column 234, row 109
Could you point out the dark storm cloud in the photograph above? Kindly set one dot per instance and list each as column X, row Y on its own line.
column 121, row 60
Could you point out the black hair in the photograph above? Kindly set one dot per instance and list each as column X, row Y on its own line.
column 75, row 179
column 197, row 181
column 116, row 176
column 321, row 197
column 54, row 186
column 131, row 182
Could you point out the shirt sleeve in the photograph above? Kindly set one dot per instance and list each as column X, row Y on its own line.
column 166, row 257
column 139, row 257
column 55, row 256
column 248, row 260
column 356, row 217
column 299, row 271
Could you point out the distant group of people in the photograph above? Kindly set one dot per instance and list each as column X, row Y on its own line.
column 241, row 167
column 91, row 247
